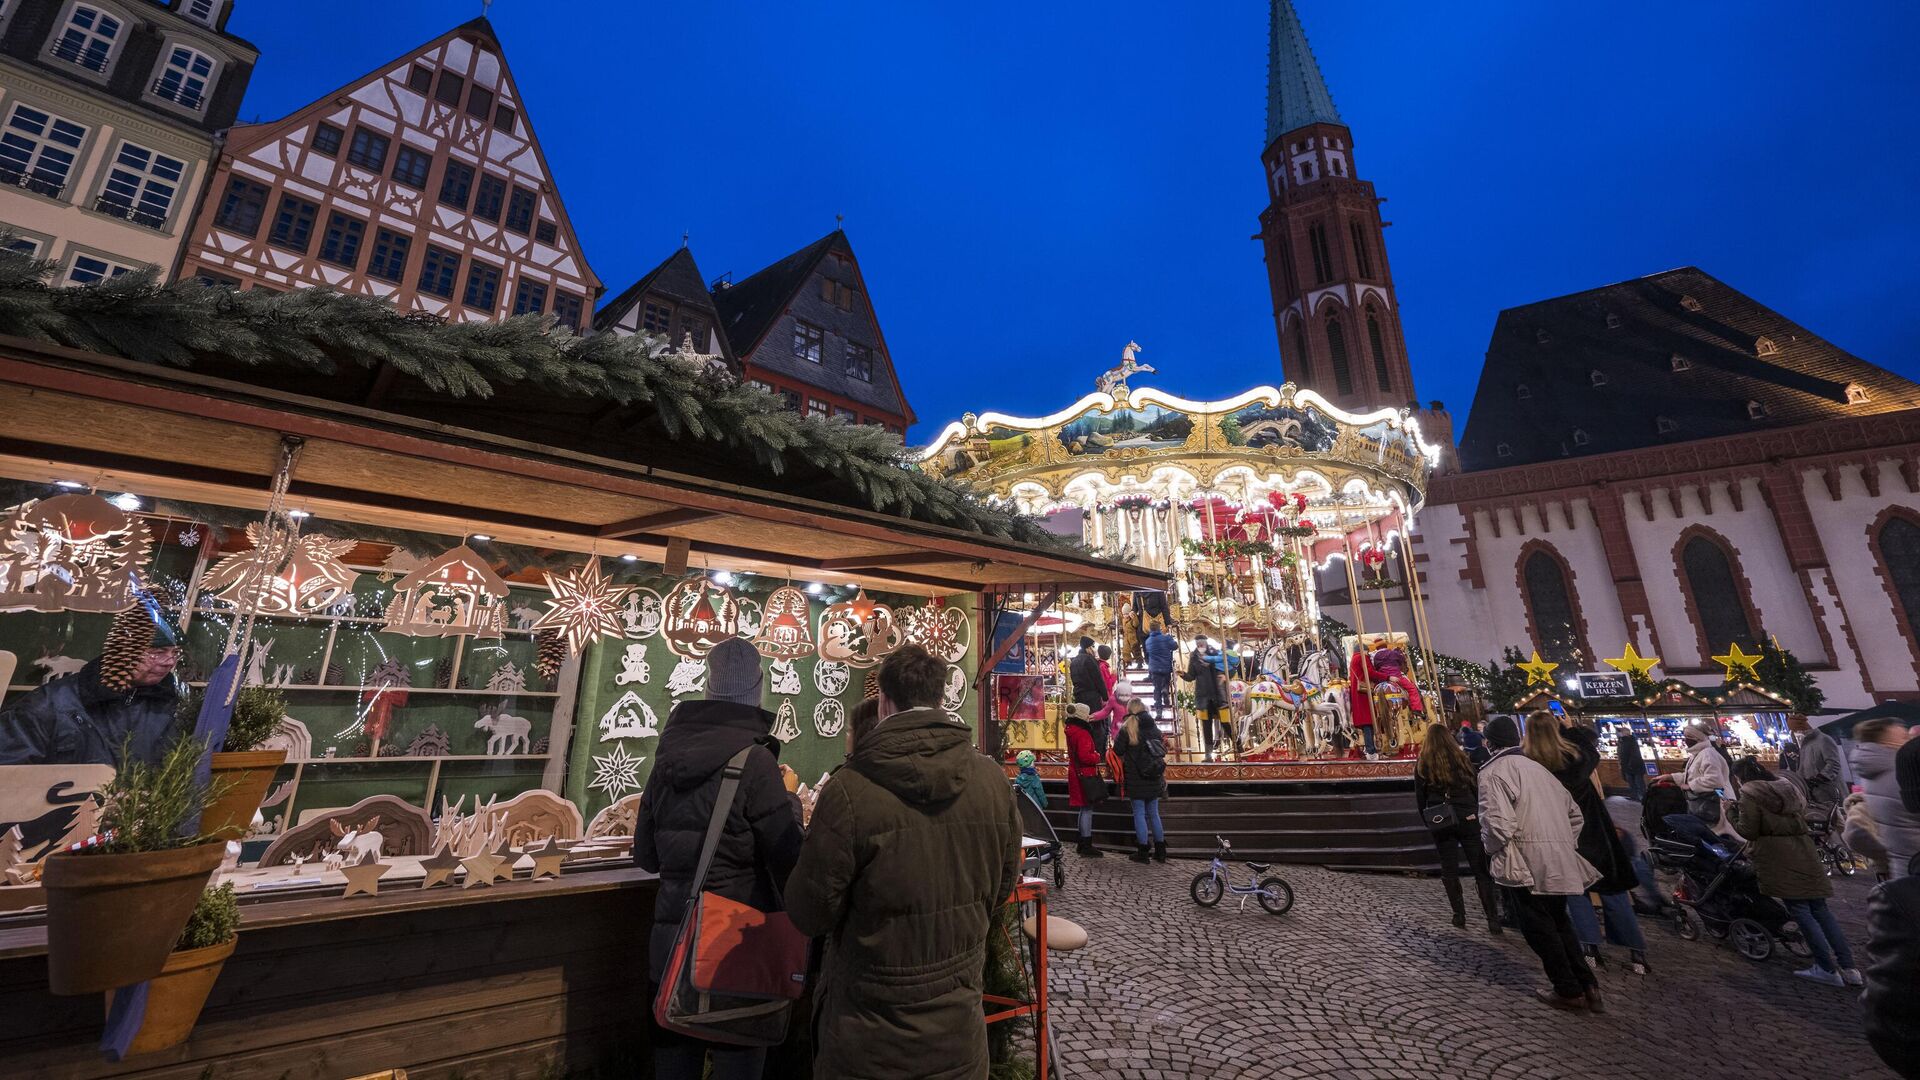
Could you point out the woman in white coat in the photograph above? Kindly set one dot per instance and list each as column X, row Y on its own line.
column 1708, row 780
column 1531, row 829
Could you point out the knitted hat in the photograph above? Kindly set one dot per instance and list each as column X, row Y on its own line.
column 1699, row 730
column 1502, row 732
column 1024, row 759
column 1078, row 711
column 733, row 673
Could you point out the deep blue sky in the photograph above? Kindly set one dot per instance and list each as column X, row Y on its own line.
column 1029, row 187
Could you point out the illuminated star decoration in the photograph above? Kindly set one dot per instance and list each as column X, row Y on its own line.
column 1736, row 660
column 364, row 877
column 616, row 772
column 1633, row 663
column 1539, row 672
column 584, row 606
column 439, row 869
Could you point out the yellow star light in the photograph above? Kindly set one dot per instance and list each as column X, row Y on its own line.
column 584, row 606
column 1737, row 660
column 1539, row 672
column 1633, row 663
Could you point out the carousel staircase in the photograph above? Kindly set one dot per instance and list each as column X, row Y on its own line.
column 1339, row 824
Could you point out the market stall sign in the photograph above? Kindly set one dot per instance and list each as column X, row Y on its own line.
column 1605, row 684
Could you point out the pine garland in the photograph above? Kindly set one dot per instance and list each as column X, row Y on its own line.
column 186, row 323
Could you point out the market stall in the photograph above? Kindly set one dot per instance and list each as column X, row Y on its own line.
column 1751, row 720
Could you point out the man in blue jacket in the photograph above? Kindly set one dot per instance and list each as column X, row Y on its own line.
column 1161, row 647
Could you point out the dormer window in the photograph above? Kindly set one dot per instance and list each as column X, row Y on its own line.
column 1765, row 347
column 1857, row 394
column 89, row 38
column 1690, row 303
column 1681, row 363
column 1580, row 437
column 1756, row 411
column 1665, row 425
column 1597, row 377
column 1503, row 450
column 1523, row 391
column 1613, row 321
column 185, row 78
column 201, row 11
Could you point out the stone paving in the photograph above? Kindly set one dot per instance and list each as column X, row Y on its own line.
column 1366, row 979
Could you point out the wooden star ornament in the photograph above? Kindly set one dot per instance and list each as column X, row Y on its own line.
column 584, row 606
column 439, row 869
column 481, row 869
column 547, row 857
column 1539, row 672
column 1737, row 660
column 1633, row 663
column 364, row 877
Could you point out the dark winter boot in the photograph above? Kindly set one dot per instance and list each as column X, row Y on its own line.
column 1160, row 851
column 1455, row 900
column 1139, row 854
column 1489, row 904
column 1087, row 850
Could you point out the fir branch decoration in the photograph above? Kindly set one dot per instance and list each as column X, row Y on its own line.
column 187, row 324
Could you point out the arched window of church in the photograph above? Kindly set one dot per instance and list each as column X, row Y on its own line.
column 1301, row 363
column 1550, row 599
column 1337, row 349
column 1377, row 343
column 1716, row 594
column 1900, row 552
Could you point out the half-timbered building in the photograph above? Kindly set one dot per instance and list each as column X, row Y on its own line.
column 421, row 182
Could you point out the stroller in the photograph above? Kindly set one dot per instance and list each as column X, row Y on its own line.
column 1033, row 822
column 1718, row 893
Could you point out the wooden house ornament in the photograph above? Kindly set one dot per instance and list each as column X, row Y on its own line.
column 454, row 593
column 700, row 615
column 71, row 553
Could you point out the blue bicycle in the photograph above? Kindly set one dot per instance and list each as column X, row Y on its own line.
column 1211, row 884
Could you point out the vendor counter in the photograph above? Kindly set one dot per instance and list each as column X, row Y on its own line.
column 524, row 978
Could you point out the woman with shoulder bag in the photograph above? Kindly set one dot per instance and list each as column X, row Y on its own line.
column 1085, row 787
column 1572, row 754
column 1143, row 750
column 1448, row 795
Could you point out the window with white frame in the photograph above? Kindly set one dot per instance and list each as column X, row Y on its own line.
column 185, row 77
column 24, row 245
column 88, row 38
column 37, row 150
column 90, row 270
column 201, row 11
column 141, row 186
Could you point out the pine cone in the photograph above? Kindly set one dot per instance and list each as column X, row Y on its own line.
column 127, row 641
column 870, row 686
column 553, row 652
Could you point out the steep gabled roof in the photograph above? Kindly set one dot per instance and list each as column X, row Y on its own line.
column 1297, row 95
column 1664, row 359
column 749, row 308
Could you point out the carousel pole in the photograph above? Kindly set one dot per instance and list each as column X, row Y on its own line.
column 1360, row 634
column 1418, row 605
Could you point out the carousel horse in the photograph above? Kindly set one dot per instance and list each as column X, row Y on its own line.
column 1329, row 715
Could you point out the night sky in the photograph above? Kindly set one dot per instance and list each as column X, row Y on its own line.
column 1028, row 187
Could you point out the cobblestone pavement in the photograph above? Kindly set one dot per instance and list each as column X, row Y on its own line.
column 1367, row 979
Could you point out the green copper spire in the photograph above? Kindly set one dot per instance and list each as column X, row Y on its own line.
column 1296, row 94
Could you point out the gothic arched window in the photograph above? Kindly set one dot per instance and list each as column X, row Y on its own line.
column 1378, row 344
column 1900, row 553
column 1301, row 363
column 1717, row 601
column 1337, row 349
column 1550, row 601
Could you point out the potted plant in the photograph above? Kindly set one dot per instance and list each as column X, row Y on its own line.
column 241, row 770
column 176, row 996
column 116, row 907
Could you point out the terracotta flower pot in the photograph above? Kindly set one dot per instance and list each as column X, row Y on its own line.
column 112, row 919
column 176, row 996
column 240, row 781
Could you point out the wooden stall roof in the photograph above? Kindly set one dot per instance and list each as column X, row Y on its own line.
column 174, row 434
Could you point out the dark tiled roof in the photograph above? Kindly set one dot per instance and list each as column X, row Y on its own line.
column 749, row 308
column 678, row 279
column 1600, row 374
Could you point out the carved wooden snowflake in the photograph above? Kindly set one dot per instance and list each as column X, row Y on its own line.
column 584, row 606
column 616, row 772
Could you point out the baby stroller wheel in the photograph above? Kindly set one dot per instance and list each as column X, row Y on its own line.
column 1686, row 923
column 1206, row 890
column 1276, row 895
column 1751, row 939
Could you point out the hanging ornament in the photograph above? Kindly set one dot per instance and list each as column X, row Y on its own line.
column 786, row 723
column 784, row 677
column 550, row 651
column 616, row 772
column 629, row 718
column 859, row 631
column 953, row 693
column 784, row 633
column 70, row 553
column 451, row 594
column 584, row 606
column 190, row 536
column 830, row 677
column 939, row 629
column 748, row 625
column 699, row 615
column 282, row 574
column 642, row 613
column 829, row 718
column 689, row 677
column 634, row 668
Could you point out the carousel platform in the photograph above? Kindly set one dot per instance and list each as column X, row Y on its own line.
column 1344, row 815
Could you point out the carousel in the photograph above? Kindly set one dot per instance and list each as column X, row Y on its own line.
column 1244, row 504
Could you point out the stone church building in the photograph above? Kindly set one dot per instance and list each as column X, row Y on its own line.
column 1665, row 462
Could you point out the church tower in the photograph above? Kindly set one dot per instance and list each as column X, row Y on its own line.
column 1333, row 301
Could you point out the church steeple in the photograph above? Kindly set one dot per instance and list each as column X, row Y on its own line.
column 1333, row 302
column 1296, row 93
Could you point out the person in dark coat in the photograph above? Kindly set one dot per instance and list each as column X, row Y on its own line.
column 756, row 853
column 1572, row 753
column 1083, row 761
column 74, row 720
column 1474, row 744
column 1090, row 686
column 1160, row 648
column 1143, row 755
column 914, row 848
column 1772, row 814
column 1892, row 998
column 1204, row 668
column 1633, row 764
column 1444, row 774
